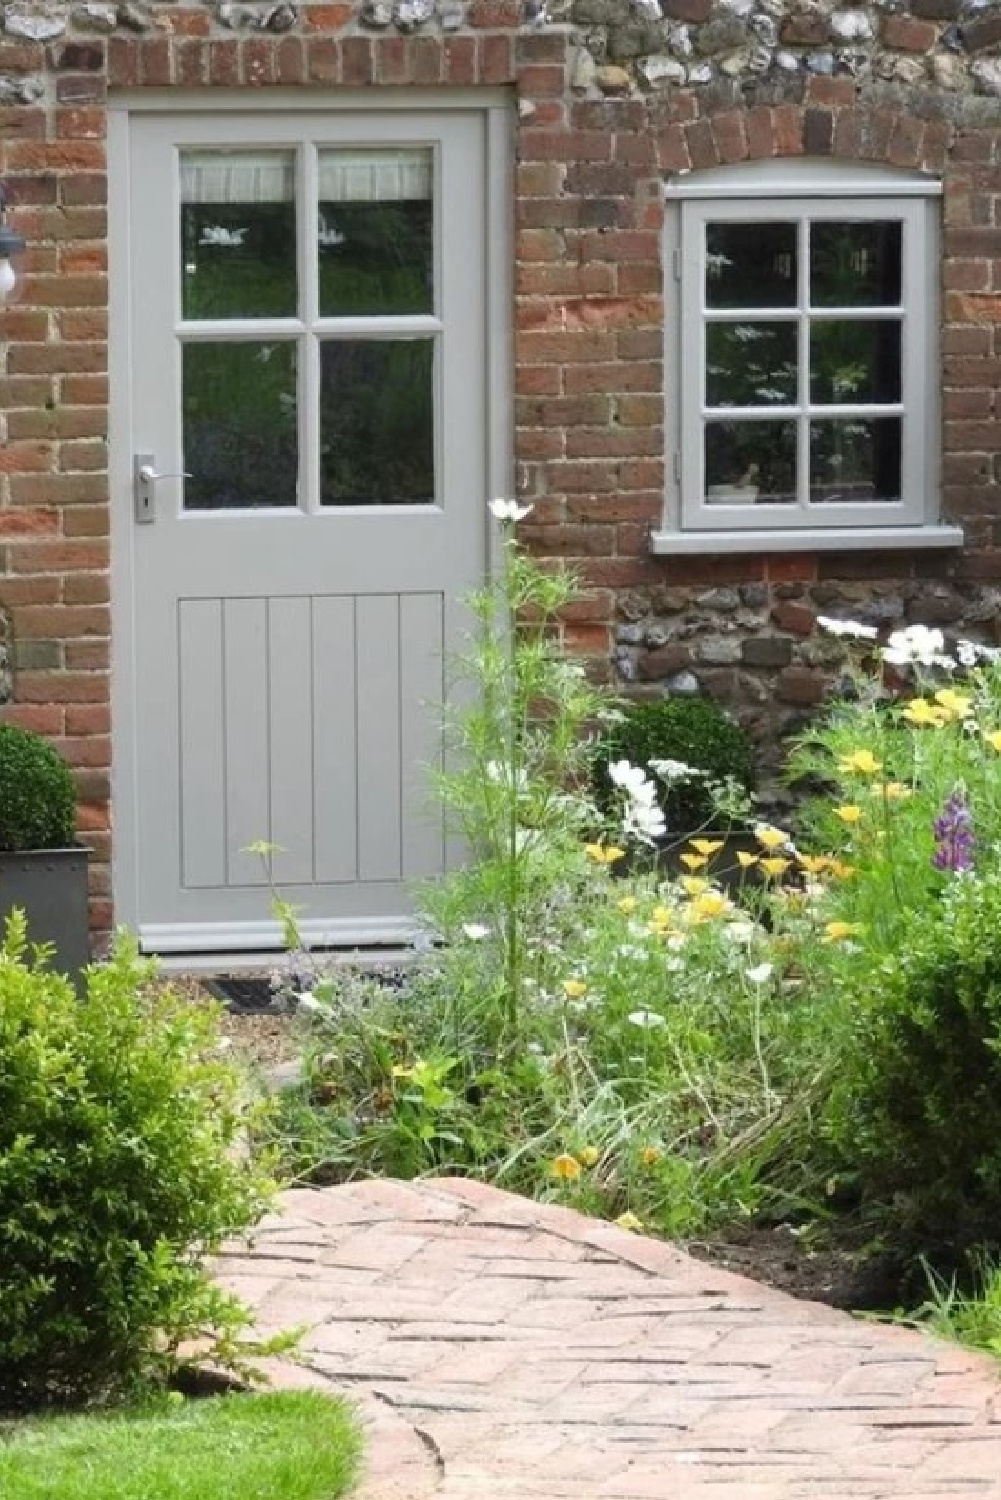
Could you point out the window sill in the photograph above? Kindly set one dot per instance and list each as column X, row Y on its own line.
column 822, row 539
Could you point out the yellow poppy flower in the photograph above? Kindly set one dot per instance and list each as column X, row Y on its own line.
column 574, row 988
column 746, row 860
column 694, row 861
column 588, row 1156
column 814, row 864
column 565, row 1167
column 839, row 869
column 627, row 905
column 954, row 703
column 924, row 715
column 650, row 1156
column 994, row 739
column 850, row 813
column 661, row 915
column 693, row 885
column 775, row 866
column 708, row 847
column 770, row 838
column 709, row 904
column 629, row 1221
column 861, row 763
column 837, row 932
column 604, row 854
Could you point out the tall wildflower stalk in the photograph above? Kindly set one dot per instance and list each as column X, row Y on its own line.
column 517, row 757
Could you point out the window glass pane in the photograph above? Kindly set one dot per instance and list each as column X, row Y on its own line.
column 751, row 364
column 238, row 254
column 751, row 265
column 855, row 265
column 240, row 432
column 855, row 362
column 750, row 462
column 855, row 460
column 375, row 232
column 377, row 422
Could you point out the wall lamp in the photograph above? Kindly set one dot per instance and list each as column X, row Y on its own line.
column 12, row 246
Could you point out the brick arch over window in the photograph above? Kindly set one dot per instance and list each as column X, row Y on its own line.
column 841, row 128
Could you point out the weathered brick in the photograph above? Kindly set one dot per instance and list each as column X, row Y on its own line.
column 907, row 34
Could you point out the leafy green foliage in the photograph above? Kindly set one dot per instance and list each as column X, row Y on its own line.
column 37, row 795
column 694, row 731
column 297, row 1444
column 918, row 1105
column 623, row 1043
column 120, row 1170
column 969, row 1313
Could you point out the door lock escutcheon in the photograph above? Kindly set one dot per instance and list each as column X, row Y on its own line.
column 144, row 478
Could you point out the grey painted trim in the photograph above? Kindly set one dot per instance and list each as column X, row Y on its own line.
column 124, row 789
column 499, row 278
column 807, row 176
column 308, row 99
column 267, row 937
column 797, row 189
column 831, row 539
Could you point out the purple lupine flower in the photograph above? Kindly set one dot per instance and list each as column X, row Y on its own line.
column 954, row 835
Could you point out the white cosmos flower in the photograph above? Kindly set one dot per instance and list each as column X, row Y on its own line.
column 643, row 822
column 649, row 1020
column 761, row 974
column 631, row 779
column 853, row 629
column 508, row 510
column 475, row 931
column 917, row 645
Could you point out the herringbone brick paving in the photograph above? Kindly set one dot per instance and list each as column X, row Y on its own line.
column 505, row 1348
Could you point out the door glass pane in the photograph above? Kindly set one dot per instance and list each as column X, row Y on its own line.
column 241, row 444
column 238, row 250
column 377, row 422
column 750, row 463
column 855, row 265
column 751, row 265
column 375, row 232
column 854, row 363
column 751, row 364
column 855, row 460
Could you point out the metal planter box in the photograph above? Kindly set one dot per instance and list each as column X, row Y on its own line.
column 50, row 886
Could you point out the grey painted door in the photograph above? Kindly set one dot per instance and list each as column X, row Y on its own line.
column 308, row 343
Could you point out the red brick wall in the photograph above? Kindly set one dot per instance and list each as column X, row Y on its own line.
column 589, row 320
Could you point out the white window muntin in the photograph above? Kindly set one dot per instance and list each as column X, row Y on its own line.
column 914, row 212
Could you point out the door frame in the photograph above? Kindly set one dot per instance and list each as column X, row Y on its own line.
column 496, row 107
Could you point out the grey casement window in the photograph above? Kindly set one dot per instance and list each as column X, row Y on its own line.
column 801, row 345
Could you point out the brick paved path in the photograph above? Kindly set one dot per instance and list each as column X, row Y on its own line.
column 506, row 1349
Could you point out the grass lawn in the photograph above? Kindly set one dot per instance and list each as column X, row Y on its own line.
column 283, row 1446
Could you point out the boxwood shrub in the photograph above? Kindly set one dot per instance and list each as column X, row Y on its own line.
column 120, row 1171
column 37, row 795
column 693, row 730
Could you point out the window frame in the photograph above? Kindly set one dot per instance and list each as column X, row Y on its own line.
column 799, row 191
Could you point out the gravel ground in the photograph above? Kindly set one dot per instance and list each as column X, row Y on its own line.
column 263, row 1040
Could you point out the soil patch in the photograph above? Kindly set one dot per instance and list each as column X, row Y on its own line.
column 828, row 1267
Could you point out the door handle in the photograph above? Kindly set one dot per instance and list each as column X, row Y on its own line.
column 144, row 477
